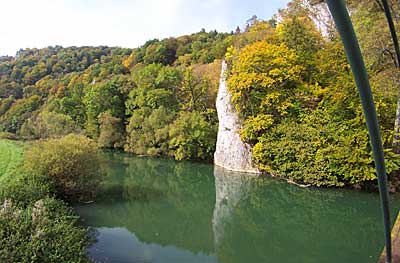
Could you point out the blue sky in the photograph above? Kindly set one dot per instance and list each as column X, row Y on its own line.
column 124, row 23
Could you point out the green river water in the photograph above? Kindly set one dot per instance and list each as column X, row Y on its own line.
column 162, row 211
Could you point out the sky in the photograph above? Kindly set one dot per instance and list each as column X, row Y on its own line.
column 123, row 23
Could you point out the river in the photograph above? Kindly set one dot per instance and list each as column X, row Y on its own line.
column 163, row 211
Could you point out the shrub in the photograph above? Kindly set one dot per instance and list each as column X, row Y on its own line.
column 24, row 189
column 46, row 231
column 35, row 227
column 320, row 151
column 71, row 164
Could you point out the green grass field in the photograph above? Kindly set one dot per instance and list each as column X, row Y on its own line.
column 10, row 156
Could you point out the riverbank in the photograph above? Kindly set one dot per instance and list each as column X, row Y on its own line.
column 37, row 224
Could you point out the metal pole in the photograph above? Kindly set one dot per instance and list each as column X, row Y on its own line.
column 389, row 19
column 345, row 28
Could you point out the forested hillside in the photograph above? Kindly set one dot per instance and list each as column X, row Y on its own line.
column 290, row 81
column 158, row 99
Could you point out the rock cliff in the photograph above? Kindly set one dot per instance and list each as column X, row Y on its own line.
column 231, row 153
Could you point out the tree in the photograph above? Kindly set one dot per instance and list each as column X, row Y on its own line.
column 100, row 98
column 148, row 131
column 194, row 91
column 5, row 104
column 263, row 79
column 162, row 52
column 192, row 137
column 48, row 125
column 20, row 111
column 111, row 131
column 156, row 86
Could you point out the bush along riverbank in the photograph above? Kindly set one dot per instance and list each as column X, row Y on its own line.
column 37, row 225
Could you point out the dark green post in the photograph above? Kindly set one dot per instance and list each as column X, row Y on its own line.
column 345, row 28
column 389, row 19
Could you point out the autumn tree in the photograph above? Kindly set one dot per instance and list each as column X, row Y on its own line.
column 111, row 131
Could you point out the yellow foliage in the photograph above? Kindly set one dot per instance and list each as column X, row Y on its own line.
column 255, row 126
column 129, row 62
column 263, row 78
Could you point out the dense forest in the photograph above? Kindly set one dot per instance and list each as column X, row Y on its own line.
column 155, row 100
column 289, row 77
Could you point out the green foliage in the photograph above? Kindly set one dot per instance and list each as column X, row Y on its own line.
column 53, row 91
column 254, row 127
column 25, row 189
column 161, row 52
column 148, row 131
column 155, row 87
column 70, row 163
column 46, row 231
column 161, row 97
column 5, row 104
column 378, row 51
column 194, row 91
column 22, row 188
column 192, row 137
column 10, row 157
column 20, row 111
column 299, row 32
column 111, row 131
column 71, row 102
column 201, row 47
column 35, row 227
column 256, row 30
column 48, row 125
column 316, row 151
column 100, row 98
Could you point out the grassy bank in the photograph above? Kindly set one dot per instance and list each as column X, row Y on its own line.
column 36, row 184
column 10, row 157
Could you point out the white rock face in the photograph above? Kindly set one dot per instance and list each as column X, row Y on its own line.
column 231, row 153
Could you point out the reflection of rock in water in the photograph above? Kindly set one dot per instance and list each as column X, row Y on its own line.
column 230, row 188
column 230, row 153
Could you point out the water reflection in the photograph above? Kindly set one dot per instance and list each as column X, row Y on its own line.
column 270, row 221
column 120, row 245
column 230, row 189
column 158, row 210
